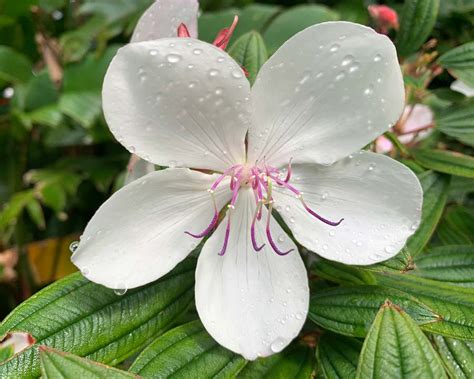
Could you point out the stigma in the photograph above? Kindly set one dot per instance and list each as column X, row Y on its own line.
column 261, row 178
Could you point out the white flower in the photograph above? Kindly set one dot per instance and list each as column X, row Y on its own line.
column 183, row 103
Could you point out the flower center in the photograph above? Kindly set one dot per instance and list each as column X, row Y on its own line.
column 261, row 178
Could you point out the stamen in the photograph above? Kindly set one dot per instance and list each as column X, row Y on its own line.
column 258, row 211
column 288, row 174
column 213, row 223
column 227, row 234
column 223, row 37
column 269, row 234
column 320, row 218
column 224, row 174
column 183, row 31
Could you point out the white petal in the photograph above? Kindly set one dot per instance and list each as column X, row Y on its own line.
column 327, row 92
column 137, row 168
column 178, row 102
column 137, row 235
column 253, row 303
column 162, row 18
column 463, row 88
column 379, row 198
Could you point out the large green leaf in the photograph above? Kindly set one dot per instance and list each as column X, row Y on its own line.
column 435, row 192
column 458, row 122
column 452, row 304
column 395, row 347
column 250, row 52
column 59, row 365
column 210, row 23
column 457, row 356
column 338, row 356
column 14, row 67
column 457, row 226
column 185, row 351
column 351, row 310
column 83, row 107
column 290, row 22
column 416, row 23
column 451, row 264
column 78, row 316
column 255, row 17
column 460, row 62
column 449, row 162
column 295, row 362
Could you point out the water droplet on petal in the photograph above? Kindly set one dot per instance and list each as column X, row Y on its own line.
column 213, row 72
column 368, row 91
column 389, row 249
column 237, row 74
column 197, row 51
column 377, row 58
column 340, row 76
column 348, row 59
column 120, row 291
column 132, row 149
column 299, row 316
column 324, row 195
column 371, row 166
column 292, row 220
column 85, row 271
column 334, row 48
column 173, row 58
column 354, row 68
column 282, row 238
column 73, row 246
column 287, row 208
column 172, row 164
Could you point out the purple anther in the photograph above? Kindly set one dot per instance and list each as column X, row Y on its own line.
column 209, row 229
column 320, row 218
column 288, row 174
column 252, row 228
column 226, row 237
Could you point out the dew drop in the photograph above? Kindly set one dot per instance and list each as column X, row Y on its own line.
column 332, row 233
column 120, row 291
column 237, row 74
column 73, row 246
column 197, row 51
column 287, row 208
column 340, row 76
column 132, row 149
column 85, row 271
column 377, row 58
column 219, row 91
column 324, row 195
column 288, row 290
column 304, row 79
column 348, row 59
column 368, row 91
column 325, row 247
column 190, row 66
column 192, row 85
column 213, row 72
column 371, row 166
column 389, row 249
column 172, row 164
column 354, row 68
column 281, row 238
column 334, row 48
column 359, row 244
column 299, row 316
column 292, row 220
column 173, row 58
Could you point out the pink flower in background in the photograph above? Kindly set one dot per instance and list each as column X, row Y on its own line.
column 385, row 18
column 415, row 124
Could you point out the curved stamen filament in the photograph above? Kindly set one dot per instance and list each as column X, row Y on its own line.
column 320, row 218
column 258, row 211
column 213, row 223
column 269, row 234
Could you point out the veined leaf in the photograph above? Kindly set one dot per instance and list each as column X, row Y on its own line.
column 458, row 122
column 453, row 304
column 449, row 162
column 295, row 362
column 457, row 356
column 451, row 264
column 416, row 23
column 338, row 356
column 460, row 62
column 395, row 347
column 295, row 19
column 82, row 107
column 59, row 365
column 255, row 17
column 84, row 318
column 351, row 310
column 185, row 351
column 14, row 67
column 457, row 226
column 435, row 192
column 6, row 351
column 250, row 52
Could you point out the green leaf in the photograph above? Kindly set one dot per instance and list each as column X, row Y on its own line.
column 342, row 274
column 54, row 196
column 460, row 62
column 58, row 365
column 351, row 310
column 255, row 17
column 12, row 210
column 453, row 304
column 250, row 52
column 187, row 350
column 290, row 22
column 435, row 192
column 6, row 352
column 83, row 107
column 295, row 362
column 338, row 356
column 457, row 122
column 87, row 319
column 38, row 92
column 395, row 347
column 36, row 213
column 457, row 356
column 457, row 226
column 450, row 264
column 49, row 115
column 14, row 67
column 449, row 162
column 416, row 23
